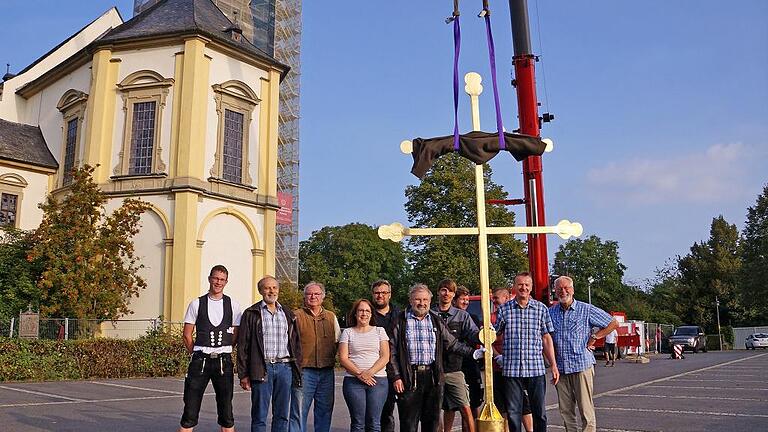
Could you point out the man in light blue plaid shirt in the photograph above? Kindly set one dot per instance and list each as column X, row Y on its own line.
column 573, row 322
column 526, row 326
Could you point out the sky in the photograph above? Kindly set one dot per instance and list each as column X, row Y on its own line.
column 661, row 108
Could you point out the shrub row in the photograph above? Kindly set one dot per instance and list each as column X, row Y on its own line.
column 157, row 355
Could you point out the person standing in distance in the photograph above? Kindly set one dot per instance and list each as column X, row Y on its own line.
column 213, row 320
column 383, row 313
column 319, row 335
column 268, row 357
column 573, row 322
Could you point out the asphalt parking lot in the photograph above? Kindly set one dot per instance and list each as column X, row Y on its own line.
column 705, row 392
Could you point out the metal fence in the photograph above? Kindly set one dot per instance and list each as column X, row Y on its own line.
column 70, row 328
column 741, row 333
column 654, row 343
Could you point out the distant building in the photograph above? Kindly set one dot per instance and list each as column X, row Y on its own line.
column 176, row 107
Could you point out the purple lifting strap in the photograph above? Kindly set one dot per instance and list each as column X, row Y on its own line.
column 492, row 56
column 456, row 49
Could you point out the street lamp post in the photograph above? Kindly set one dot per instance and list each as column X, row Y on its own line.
column 589, row 288
column 719, row 333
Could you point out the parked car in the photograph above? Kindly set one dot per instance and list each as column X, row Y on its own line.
column 690, row 337
column 756, row 340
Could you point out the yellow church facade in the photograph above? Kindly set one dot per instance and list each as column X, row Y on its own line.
column 174, row 107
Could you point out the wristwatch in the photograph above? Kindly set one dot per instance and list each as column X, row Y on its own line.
column 593, row 337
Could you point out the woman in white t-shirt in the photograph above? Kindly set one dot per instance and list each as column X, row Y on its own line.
column 364, row 352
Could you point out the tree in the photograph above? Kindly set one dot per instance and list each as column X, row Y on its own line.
column 347, row 259
column 599, row 260
column 711, row 270
column 89, row 267
column 17, row 274
column 754, row 256
column 446, row 198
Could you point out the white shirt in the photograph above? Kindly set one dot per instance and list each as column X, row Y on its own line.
column 364, row 348
column 611, row 337
column 215, row 315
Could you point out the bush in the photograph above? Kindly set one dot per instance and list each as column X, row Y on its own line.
column 156, row 355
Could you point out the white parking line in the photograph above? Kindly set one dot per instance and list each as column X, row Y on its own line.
column 665, row 411
column 80, row 401
column 136, row 388
column 689, row 397
column 659, row 380
column 43, row 394
column 708, row 388
column 719, row 380
column 550, row 426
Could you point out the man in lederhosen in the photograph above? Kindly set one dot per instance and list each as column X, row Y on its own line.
column 213, row 319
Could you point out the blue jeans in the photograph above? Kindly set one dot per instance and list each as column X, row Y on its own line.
column 276, row 388
column 513, row 395
column 365, row 403
column 318, row 386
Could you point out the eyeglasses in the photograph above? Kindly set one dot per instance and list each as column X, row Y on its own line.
column 216, row 279
column 381, row 293
column 362, row 311
column 313, row 294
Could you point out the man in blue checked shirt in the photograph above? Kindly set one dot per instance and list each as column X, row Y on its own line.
column 573, row 322
column 526, row 326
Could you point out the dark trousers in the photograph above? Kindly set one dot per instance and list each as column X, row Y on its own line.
column 421, row 404
column 201, row 370
column 388, row 412
column 610, row 351
column 513, row 392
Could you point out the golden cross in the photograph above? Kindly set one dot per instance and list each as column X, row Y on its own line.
column 489, row 418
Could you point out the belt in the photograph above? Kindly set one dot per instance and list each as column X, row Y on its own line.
column 211, row 355
column 279, row 360
column 422, row 368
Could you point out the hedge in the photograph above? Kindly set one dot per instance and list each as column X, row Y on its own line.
column 156, row 355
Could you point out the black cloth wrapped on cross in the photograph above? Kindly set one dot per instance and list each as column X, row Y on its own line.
column 477, row 146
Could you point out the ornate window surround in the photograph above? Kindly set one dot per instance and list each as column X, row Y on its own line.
column 72, row 106
column 235, row 96
column 12, row 183
column 142, row 86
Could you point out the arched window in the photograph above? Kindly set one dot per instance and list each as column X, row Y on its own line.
column 235, row 103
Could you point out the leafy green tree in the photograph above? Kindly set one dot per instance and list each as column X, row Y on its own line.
column 712, row 270
column 17, row 274
column 90, row 269
column 446, row 198
column 582, row 259
column 754, row 256
column 347, row 259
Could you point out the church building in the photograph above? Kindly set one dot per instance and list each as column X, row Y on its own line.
column 174, row 107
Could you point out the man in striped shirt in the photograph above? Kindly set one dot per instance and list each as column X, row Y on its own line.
column 573, row 322
column 526, row 326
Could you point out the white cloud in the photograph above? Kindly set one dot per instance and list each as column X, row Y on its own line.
column 717, row 174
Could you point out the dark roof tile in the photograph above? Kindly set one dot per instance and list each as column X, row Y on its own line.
column 24, row 143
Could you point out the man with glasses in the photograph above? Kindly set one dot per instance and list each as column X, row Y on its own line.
column 574, row 342
column 213, row 320
column 383, row 314
column 319, row 334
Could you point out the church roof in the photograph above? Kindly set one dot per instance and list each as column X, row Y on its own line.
column 24, row 143
column 175, row 17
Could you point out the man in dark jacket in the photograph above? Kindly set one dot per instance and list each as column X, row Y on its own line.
column 383, row 315
column 419, row 340
column 268, row 357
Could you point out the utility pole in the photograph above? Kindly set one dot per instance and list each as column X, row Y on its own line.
column 530, row 123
